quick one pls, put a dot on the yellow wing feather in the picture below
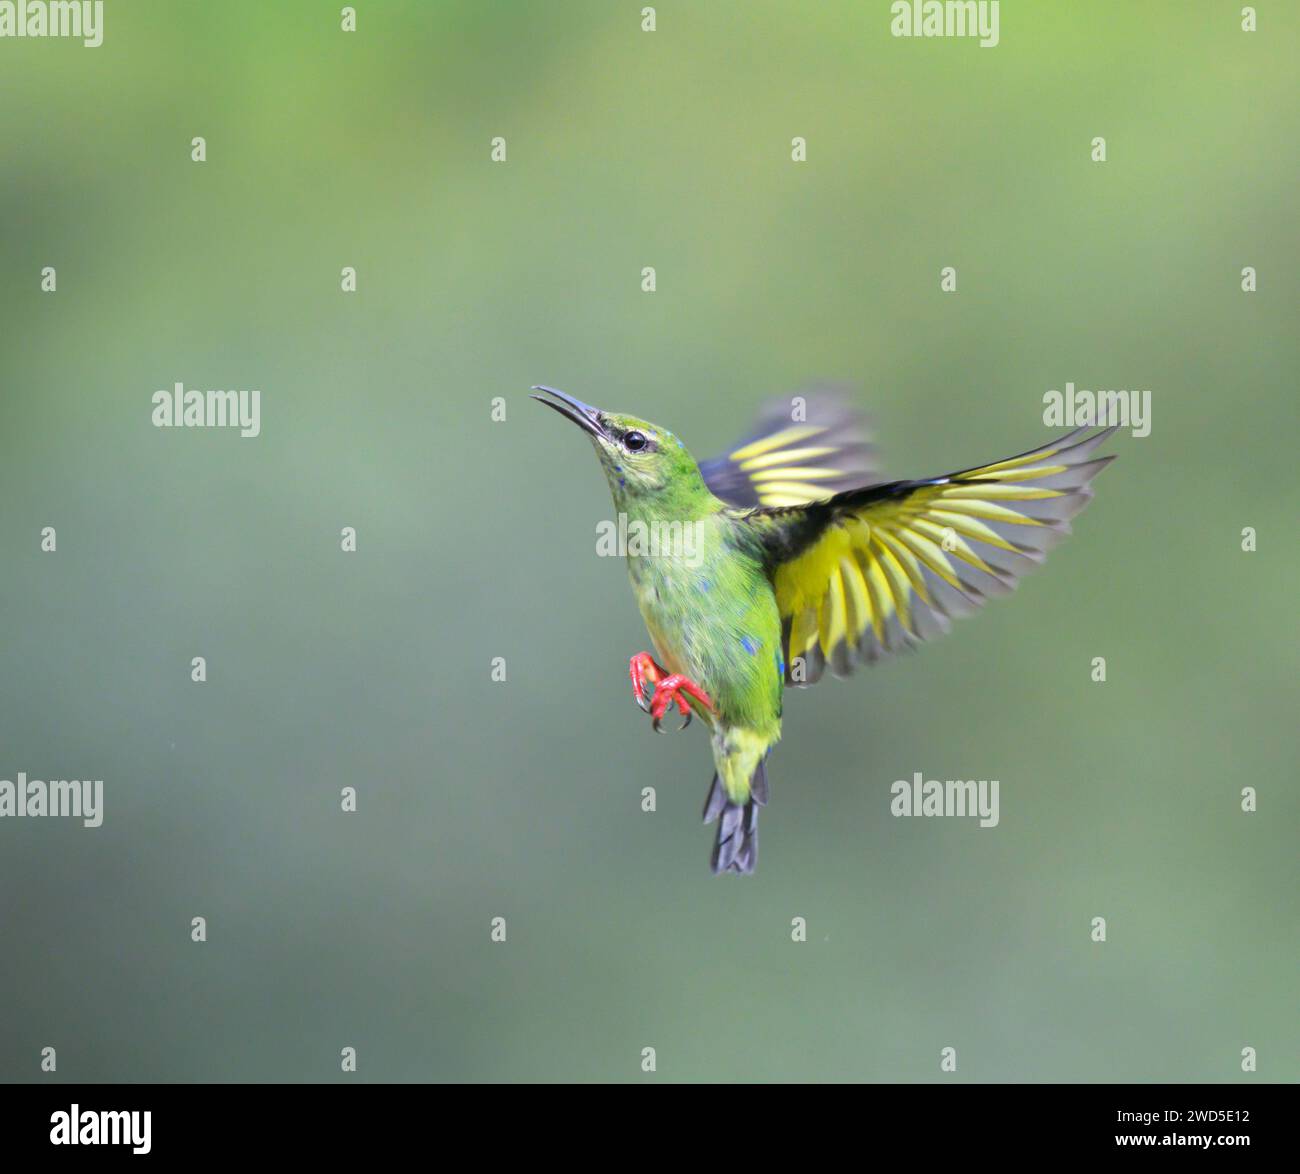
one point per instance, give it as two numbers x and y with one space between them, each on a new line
876 570
805 448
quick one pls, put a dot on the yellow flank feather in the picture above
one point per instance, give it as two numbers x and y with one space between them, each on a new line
737 756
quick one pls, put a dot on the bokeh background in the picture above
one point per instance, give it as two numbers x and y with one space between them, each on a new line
477 539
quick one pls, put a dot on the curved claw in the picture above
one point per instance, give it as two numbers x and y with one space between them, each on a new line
643 670
658 722
669 691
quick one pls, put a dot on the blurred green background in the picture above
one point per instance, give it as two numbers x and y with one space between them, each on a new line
477 539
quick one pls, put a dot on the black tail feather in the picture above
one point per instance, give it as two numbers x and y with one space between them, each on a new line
716 801
736 847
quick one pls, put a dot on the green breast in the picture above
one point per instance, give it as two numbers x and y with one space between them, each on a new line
714 618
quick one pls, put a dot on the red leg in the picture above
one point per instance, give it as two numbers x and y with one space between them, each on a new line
670 689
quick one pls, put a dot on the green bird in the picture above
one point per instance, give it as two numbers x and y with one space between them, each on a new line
787 554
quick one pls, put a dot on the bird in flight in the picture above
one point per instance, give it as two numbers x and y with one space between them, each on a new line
799 558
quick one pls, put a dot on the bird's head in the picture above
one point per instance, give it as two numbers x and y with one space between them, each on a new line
643 462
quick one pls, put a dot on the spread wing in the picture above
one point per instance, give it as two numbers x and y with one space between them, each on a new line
803 448
877 570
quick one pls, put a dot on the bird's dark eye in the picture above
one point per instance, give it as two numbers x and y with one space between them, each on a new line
634 441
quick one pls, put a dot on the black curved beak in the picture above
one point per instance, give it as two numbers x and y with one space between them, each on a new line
583 415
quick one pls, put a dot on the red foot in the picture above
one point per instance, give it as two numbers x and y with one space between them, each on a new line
641 669
667 688
670 689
